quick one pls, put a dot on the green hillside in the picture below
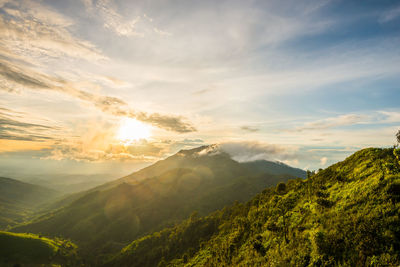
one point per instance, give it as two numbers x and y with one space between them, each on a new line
33 250
18 200
106 219
345 215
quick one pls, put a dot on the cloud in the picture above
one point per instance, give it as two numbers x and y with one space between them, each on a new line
323 161
15 78
197 141
11 129
32 32
161 32
333 122
202 91
79 152
171 123
25 137
112 19
252 150
98 144
333 149
372 117
390 116
249 129
390 15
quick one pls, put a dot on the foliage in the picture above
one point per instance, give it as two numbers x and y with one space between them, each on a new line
345 215
19 200
398 137
33 249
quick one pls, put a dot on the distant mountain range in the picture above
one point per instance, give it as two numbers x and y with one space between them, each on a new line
69 183
203 179
18 200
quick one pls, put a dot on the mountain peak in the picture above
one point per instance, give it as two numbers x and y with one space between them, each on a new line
206 150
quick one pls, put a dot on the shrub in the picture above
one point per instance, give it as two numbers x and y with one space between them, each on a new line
281 188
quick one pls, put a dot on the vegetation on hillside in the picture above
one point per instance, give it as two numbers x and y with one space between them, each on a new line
30 249
19 200
345 215
103 221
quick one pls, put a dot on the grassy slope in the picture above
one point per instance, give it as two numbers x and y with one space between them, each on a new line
346 215
31 249
18 200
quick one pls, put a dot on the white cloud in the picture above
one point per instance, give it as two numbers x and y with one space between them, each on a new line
323 161
15 77
368 118
111 18
390 15
390 116
254 150
333 122
35 33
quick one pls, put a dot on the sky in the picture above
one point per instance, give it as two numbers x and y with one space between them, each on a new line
111 86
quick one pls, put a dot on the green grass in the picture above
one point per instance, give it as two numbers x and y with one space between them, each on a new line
24 248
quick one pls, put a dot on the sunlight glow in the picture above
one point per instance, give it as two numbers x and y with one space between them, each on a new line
132 130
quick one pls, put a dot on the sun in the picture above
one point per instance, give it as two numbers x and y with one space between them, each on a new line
131 130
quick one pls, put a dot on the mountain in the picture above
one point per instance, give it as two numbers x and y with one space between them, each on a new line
110 216
263 166
69 183
18 200
33 250
345 215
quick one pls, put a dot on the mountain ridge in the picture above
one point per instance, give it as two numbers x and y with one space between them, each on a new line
345 215
170 162
122 210
19 199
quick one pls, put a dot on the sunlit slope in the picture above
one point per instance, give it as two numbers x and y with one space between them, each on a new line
107 218
18 200
190 159
346 215
30 249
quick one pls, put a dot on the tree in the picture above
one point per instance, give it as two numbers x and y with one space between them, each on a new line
310 173
398 137
281 188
